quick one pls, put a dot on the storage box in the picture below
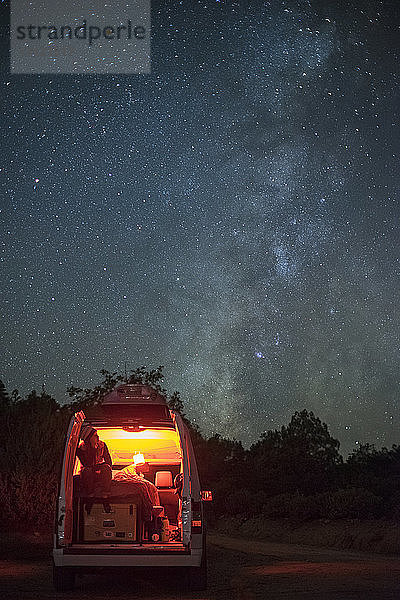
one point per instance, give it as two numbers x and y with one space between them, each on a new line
118 525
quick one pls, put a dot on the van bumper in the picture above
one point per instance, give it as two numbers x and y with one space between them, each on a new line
113 557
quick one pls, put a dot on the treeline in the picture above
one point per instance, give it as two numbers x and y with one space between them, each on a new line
297 474
294 473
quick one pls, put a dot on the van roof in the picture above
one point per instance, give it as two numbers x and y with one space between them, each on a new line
134 393
130 404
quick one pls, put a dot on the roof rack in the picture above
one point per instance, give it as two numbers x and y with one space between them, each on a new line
135 393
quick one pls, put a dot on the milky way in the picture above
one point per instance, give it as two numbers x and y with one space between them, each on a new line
233 216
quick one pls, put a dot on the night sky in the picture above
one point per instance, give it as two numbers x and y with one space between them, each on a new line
233 216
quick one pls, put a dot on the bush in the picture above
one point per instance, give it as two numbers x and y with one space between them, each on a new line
393 506
353 503
27 501
295 507
35 499
244 502
31 446
7 498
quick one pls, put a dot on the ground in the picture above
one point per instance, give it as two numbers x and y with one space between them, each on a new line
375 535
239 569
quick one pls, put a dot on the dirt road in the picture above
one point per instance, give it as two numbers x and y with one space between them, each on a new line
238 570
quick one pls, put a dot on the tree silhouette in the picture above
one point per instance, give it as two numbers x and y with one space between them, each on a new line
306 431
85 397
376 470
32 441
4 397
152 378
175 402
300 457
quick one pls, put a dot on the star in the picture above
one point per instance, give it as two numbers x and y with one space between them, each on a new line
232 215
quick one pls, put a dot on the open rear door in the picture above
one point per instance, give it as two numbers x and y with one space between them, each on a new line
65 511
190 478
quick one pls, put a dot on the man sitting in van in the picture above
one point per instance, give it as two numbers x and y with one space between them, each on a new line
96 461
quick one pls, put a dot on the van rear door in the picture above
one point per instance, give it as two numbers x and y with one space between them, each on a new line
191 485
64 521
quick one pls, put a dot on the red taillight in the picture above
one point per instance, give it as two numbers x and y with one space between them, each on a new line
196 517
206 496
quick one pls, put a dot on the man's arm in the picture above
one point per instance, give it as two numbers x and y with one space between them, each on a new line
82 455
106 455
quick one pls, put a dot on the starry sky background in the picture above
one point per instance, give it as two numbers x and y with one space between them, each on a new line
233 216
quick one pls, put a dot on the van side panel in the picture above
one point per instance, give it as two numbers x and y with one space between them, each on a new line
197 538
194 475
187 482
65 511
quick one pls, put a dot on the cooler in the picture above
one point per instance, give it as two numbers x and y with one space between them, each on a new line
109 523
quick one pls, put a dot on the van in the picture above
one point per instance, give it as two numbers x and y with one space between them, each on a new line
117 529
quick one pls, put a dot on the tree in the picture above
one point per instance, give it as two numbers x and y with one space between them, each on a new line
306 431
375 470
175 402
32 442
152 378
5 420
301 457
4 397
85 397
37 428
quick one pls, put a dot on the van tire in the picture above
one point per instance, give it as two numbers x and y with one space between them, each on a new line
63 579
197 576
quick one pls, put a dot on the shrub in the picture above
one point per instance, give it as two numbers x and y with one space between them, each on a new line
353 503
34 499
6 498
244 502
295 507
393 506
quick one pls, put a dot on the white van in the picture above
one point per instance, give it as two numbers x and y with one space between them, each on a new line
136 424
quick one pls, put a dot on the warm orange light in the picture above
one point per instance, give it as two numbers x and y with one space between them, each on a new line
138 459
144 434
155 445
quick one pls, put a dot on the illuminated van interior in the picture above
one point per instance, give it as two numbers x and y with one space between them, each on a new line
160 461
158 446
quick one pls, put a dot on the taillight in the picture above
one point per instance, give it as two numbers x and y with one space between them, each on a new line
196 517
206 496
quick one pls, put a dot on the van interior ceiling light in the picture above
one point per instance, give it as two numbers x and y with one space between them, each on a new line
138 459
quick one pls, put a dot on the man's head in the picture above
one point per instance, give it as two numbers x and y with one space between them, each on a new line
89 436
94 440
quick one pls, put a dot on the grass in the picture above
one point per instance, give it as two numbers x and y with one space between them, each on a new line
24 545
376 536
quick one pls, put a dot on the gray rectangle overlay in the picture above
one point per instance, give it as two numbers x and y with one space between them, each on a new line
50 36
